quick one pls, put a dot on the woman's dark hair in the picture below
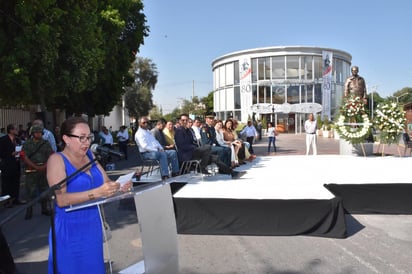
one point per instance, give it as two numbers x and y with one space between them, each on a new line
226 122
10 127
68 125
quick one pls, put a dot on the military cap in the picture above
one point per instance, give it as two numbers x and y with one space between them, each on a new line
36 128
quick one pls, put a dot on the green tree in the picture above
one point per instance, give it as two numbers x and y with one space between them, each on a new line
123 28
208 102
139 97
173 116
155 113
402 96
68 54
195 107
29 43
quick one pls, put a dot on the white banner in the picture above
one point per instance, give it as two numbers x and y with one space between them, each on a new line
245 81
327 58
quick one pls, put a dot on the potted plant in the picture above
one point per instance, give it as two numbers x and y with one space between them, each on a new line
326 127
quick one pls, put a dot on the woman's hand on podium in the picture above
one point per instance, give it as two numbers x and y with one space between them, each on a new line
127 187
109 188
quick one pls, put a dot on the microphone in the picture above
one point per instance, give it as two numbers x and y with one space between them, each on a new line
101 150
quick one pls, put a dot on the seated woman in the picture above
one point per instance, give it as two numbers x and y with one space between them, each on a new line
169 133
234 146
230 135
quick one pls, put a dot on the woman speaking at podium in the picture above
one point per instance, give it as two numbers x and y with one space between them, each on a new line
78 233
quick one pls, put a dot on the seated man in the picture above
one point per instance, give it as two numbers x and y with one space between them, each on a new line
170 150
150 149
208 135
188 149
158 133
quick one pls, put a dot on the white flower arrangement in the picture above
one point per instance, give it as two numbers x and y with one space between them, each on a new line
353 123
390 120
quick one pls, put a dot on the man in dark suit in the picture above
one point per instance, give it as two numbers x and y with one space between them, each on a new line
188 149
10 165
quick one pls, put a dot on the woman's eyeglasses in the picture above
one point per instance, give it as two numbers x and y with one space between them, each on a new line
82 138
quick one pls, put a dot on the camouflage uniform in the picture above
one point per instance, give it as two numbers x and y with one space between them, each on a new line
38 151
36 181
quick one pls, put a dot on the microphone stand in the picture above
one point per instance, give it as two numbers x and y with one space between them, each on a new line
46 194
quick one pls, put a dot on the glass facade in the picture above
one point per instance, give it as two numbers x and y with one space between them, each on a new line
268 81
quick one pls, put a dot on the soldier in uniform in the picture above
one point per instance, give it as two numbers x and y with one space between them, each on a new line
35 153
355 84
208 137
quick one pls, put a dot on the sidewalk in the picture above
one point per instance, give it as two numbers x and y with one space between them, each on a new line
295 144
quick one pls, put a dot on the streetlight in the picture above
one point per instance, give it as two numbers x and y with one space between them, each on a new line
273 113
397 97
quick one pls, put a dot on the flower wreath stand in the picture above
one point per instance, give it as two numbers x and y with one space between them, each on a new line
390 120
352 136
353 127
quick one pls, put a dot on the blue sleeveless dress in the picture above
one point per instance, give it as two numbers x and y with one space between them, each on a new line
79 239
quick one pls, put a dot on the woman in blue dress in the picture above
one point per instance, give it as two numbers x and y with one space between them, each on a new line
79 239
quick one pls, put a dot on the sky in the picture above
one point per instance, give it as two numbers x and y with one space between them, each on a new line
187 35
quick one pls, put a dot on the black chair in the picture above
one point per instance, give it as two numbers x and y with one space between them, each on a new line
407 142
188 166
145 166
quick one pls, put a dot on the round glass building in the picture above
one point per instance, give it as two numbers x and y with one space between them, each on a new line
282 84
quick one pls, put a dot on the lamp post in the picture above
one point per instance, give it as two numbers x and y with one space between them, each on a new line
273 113
397 97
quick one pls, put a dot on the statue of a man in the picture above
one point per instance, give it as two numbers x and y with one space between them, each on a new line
355 84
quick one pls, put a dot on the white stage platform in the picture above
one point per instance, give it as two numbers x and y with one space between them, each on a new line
283 189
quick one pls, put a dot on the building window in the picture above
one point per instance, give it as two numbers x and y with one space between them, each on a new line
278 68
293 95
254 94
237 98
254 70
278 92
236 73
293 71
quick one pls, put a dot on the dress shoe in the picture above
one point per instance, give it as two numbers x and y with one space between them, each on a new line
205 172
237 174
165 178
175 174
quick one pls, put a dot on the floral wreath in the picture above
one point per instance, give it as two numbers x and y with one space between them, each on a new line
390 120
353 123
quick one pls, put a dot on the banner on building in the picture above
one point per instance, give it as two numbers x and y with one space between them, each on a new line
245 81
327 58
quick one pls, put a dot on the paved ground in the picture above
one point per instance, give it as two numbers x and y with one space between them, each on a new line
376 243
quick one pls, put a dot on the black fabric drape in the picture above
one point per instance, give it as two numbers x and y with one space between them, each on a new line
215 216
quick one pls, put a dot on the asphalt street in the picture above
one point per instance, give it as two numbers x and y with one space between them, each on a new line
375 243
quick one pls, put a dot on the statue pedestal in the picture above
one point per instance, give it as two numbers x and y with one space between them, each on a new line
346 148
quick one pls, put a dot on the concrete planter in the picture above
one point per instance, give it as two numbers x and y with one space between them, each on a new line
346 148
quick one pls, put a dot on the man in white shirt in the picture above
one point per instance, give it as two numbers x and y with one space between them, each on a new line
106 137
310 129
251 133
196 128
123 139
151 149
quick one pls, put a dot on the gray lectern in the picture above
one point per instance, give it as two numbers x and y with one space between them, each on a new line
157 222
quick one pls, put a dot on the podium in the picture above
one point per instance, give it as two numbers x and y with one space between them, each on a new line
155 211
